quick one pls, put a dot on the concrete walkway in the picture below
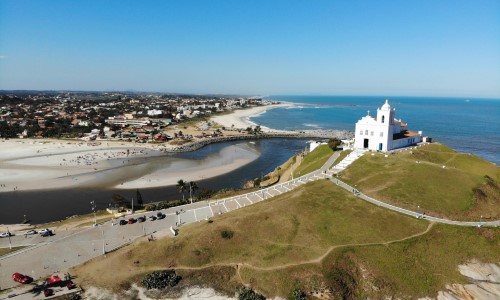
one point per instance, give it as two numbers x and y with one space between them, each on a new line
69 248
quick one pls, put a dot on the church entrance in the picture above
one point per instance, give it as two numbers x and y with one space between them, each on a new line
365 144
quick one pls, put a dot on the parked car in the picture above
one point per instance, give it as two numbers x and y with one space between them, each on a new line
44 231
160 215
131 221
152 218
30 232
48 292
5 234
21 278
141 219
47 233
123 222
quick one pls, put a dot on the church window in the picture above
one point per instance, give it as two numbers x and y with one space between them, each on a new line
366 132
381 134
383 119
361 132
371 133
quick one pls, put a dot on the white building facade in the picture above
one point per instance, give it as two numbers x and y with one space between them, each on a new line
384 132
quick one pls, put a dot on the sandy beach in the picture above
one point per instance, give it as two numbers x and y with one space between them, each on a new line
241 118
34 164
51 164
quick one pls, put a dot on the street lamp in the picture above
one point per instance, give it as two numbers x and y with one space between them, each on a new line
92 203
8 234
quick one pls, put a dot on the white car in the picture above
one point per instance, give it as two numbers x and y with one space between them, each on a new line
43 231
5 234
30 232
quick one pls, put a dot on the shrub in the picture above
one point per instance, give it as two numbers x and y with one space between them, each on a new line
248 294
227 234
160 279
297 294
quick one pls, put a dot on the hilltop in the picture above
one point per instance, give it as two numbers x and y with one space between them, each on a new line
431 178
320 237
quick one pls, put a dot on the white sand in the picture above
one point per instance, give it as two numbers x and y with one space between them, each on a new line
42 164
241 118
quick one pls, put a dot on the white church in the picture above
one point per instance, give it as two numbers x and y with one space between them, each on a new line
384 132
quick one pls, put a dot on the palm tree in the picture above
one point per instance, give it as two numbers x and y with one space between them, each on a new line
192 188
181 187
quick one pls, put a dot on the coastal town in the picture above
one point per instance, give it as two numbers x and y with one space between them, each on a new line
140 117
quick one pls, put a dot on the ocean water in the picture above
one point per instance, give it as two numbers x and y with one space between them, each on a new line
468 125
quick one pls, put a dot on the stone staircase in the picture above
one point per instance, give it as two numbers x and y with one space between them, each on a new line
355 154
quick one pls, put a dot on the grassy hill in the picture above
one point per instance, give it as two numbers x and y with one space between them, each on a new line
441 181
314 160
316 237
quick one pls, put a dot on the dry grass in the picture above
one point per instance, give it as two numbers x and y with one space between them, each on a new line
294 228
4 251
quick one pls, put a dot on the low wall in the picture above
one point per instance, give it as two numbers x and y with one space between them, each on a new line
312 134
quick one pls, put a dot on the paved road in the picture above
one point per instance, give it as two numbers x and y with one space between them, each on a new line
66 249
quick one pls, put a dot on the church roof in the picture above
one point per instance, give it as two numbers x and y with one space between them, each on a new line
386 105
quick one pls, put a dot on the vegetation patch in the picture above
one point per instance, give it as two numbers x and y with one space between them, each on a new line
160 280
248 294
227 234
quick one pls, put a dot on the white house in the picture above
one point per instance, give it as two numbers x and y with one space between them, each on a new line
384 132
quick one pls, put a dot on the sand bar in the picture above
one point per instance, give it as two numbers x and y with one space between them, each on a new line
52 164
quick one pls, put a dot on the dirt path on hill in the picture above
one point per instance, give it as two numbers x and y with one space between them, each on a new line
239 265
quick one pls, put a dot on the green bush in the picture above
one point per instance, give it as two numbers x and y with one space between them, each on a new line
297 294
227 234
248 294
160 280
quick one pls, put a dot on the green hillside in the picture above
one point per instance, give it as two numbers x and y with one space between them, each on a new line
316 237
441 181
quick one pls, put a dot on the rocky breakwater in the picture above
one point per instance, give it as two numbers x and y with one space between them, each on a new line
305 134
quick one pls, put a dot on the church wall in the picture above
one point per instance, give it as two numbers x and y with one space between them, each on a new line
405 142
373 136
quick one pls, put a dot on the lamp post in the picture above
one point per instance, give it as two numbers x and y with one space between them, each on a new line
103 247
191 192
92 203
8 234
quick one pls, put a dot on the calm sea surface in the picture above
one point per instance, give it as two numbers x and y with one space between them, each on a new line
51 205
467 125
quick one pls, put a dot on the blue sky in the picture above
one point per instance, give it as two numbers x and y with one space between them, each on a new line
433 48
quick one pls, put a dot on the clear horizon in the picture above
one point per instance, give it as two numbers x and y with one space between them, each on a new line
423 49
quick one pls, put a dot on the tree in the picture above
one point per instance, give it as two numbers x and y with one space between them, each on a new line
192 188
257 130
334 143
119 201
138 196
181 187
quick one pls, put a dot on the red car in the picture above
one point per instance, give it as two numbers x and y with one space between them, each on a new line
21 278
131 221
